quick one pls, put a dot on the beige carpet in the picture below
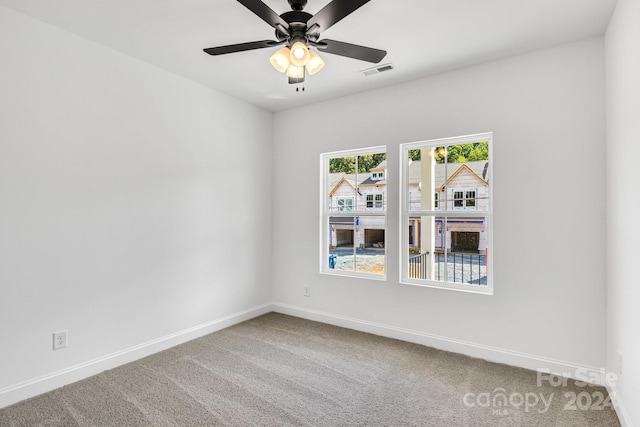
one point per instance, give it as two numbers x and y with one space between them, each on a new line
277 370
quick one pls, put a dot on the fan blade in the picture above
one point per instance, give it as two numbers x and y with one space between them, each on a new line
334 12
241 47
351 50
265 13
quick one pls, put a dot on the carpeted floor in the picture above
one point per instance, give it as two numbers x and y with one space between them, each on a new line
277 370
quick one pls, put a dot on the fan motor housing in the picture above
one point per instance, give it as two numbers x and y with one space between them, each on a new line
297 21
297 4
296 16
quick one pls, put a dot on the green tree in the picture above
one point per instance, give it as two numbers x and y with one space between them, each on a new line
479 152
366 162
343 164
463 153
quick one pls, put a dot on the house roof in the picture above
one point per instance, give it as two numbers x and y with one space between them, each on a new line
445 171
442 174
460 170
336 179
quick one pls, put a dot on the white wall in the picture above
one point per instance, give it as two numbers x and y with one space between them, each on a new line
546 110
116 218
623 205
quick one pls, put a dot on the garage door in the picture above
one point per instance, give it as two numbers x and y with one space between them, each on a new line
465 241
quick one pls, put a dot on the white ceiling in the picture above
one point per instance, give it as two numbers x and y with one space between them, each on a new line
421 37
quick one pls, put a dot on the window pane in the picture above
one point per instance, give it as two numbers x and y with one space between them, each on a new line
425 243
470 199
466 250
458 199
370 252
341 243
341 183
370 183
379 201
357 244
421 184
465 177
447 249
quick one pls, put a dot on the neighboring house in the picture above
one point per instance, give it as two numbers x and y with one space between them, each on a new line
466 186
368 193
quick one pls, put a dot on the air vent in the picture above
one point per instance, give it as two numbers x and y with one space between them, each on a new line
377 69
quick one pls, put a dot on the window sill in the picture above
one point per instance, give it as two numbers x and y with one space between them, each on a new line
353 274
474 289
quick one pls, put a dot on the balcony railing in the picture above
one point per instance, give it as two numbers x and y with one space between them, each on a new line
460 267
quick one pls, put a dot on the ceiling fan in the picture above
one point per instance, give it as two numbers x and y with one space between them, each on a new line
298 31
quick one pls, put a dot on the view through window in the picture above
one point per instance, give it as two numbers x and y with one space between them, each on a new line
354 212
447 212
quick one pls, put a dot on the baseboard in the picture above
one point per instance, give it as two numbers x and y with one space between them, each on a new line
15 393
621 409
494 354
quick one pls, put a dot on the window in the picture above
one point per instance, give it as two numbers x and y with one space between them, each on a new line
344 203
377 176
378 201
353 216
446 206
464 199
470 199
374 201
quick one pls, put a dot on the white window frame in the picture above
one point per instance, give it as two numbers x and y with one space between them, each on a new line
326 212
405 213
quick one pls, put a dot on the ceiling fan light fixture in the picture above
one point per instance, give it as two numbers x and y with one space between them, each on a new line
299 54
315 63
300 31
295 72
280 60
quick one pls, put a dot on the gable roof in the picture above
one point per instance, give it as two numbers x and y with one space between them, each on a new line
444 170
336 180
462 169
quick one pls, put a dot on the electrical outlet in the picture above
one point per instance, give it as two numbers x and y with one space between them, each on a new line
307 291
59 339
